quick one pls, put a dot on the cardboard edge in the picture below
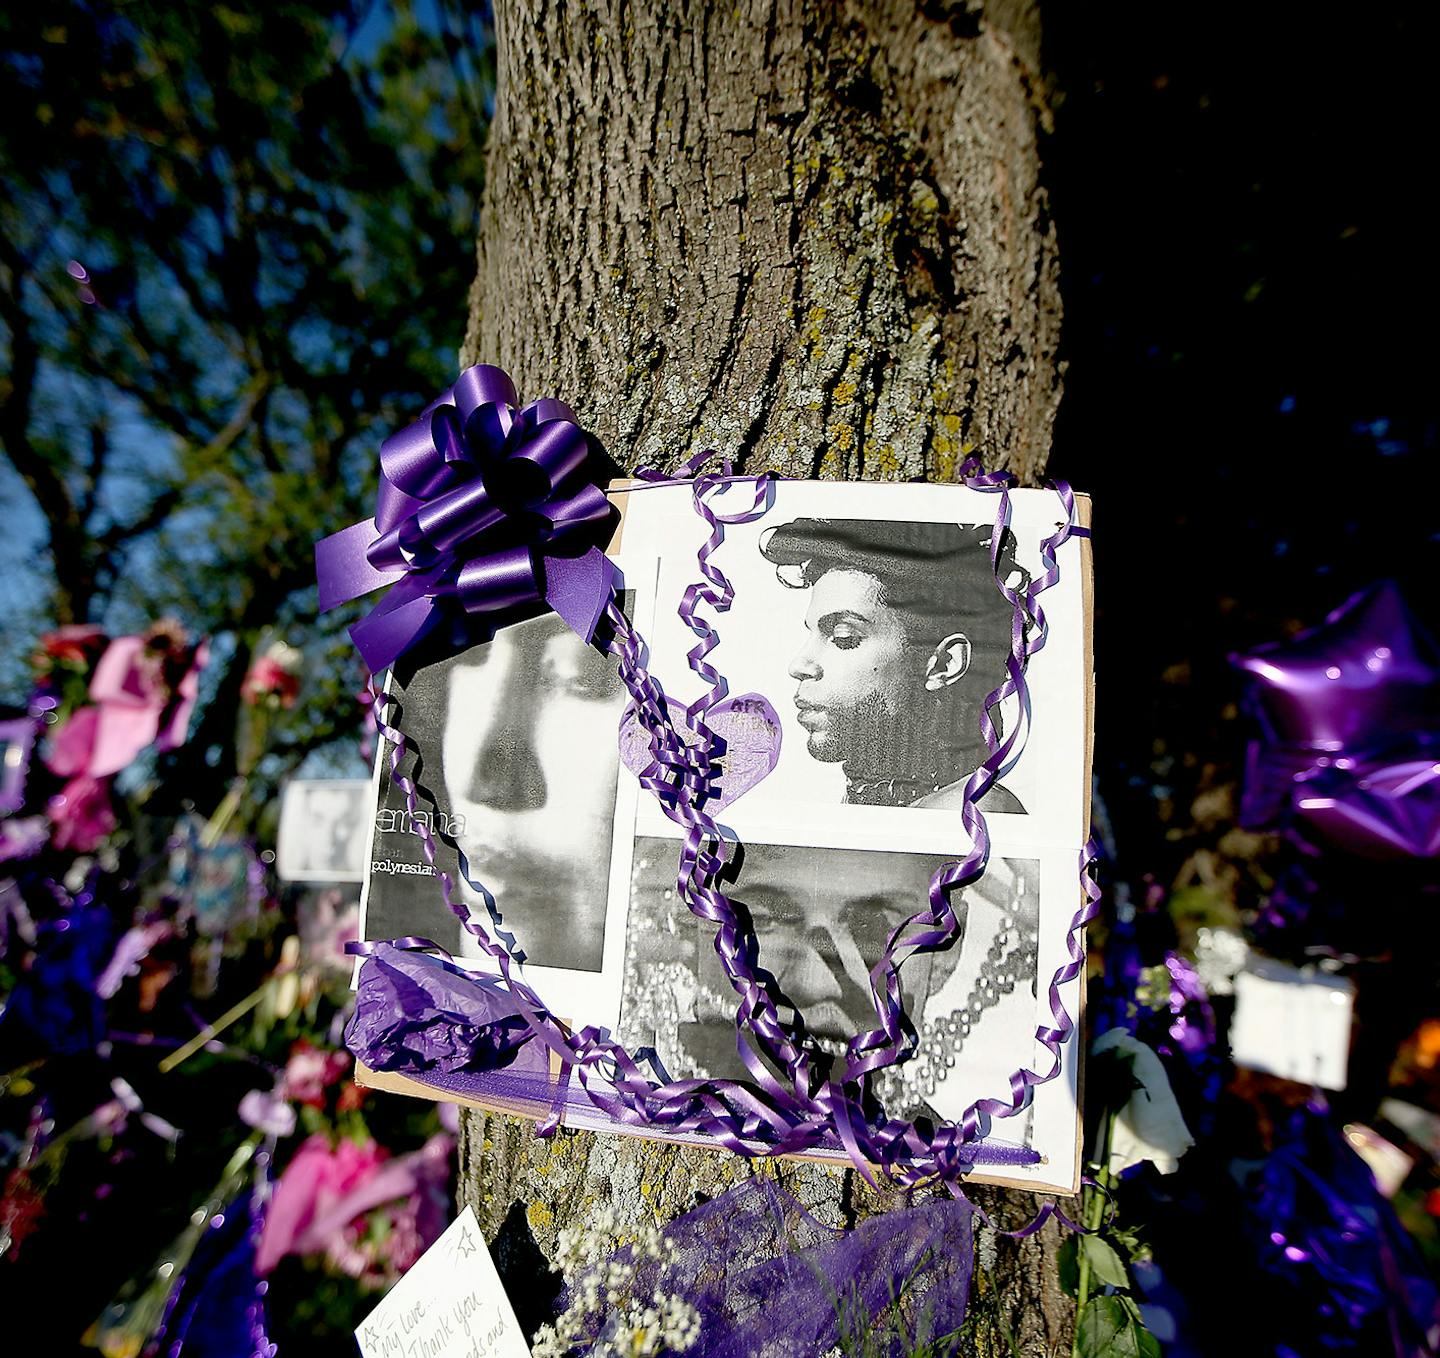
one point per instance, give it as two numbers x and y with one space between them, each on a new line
615 492
390 1082
1084 514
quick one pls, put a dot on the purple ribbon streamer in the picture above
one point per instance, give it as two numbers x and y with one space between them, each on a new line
799 1113
482 508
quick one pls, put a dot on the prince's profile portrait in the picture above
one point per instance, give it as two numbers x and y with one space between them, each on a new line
905 638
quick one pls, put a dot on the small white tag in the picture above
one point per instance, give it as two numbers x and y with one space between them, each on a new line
449 1305
1292 1023
324 830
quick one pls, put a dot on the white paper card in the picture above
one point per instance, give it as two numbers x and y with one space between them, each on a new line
449 1305
324 830
550 843
1292 1023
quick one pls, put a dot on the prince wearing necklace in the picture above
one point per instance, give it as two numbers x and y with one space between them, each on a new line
906 635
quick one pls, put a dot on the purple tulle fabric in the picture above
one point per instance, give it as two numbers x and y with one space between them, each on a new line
770 1281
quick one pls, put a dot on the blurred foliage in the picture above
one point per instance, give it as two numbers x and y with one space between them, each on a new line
235 243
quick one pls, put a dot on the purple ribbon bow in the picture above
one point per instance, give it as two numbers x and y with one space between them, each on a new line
481 504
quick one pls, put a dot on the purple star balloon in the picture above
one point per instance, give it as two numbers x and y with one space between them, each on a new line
1380 808
1368 673
1349 714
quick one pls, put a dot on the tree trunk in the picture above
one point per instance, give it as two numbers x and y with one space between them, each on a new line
812 237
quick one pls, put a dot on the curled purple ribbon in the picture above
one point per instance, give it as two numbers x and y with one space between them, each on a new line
484 506
786 1109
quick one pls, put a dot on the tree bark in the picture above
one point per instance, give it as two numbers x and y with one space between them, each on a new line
813 237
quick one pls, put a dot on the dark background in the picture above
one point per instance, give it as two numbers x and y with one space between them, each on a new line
1250 291
1249 282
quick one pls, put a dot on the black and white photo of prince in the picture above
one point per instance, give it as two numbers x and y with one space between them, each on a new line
905 635
518 765
821 918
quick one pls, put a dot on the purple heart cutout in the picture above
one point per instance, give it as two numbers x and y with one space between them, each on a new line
746 723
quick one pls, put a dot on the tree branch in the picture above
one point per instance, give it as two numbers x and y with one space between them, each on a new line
95 468
212 454
65 528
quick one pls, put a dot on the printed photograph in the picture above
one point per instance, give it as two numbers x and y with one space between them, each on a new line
324 830
516 758
879 644
905 634
822 917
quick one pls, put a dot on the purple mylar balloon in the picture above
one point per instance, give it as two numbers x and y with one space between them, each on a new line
1380 808
1368 673
1350 719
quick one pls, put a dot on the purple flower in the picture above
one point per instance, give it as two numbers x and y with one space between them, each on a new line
54 1008
133 948
267 1111
17 739
22 838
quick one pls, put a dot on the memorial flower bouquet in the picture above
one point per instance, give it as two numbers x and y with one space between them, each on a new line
162 1021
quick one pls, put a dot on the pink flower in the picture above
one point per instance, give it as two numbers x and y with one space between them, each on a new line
73 744
322 1193
408 1226
138 706
81 814
142 693
310 1072
315 1183
274 678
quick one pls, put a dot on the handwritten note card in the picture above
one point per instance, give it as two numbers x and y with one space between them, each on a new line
1292 1023
450 1305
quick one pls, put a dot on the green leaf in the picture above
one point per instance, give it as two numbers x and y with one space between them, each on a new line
1110 1327
1105 1265
1069 1264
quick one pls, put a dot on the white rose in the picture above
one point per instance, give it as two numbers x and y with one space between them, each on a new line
1149 1127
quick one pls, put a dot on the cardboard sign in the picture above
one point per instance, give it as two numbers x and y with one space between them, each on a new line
869 625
